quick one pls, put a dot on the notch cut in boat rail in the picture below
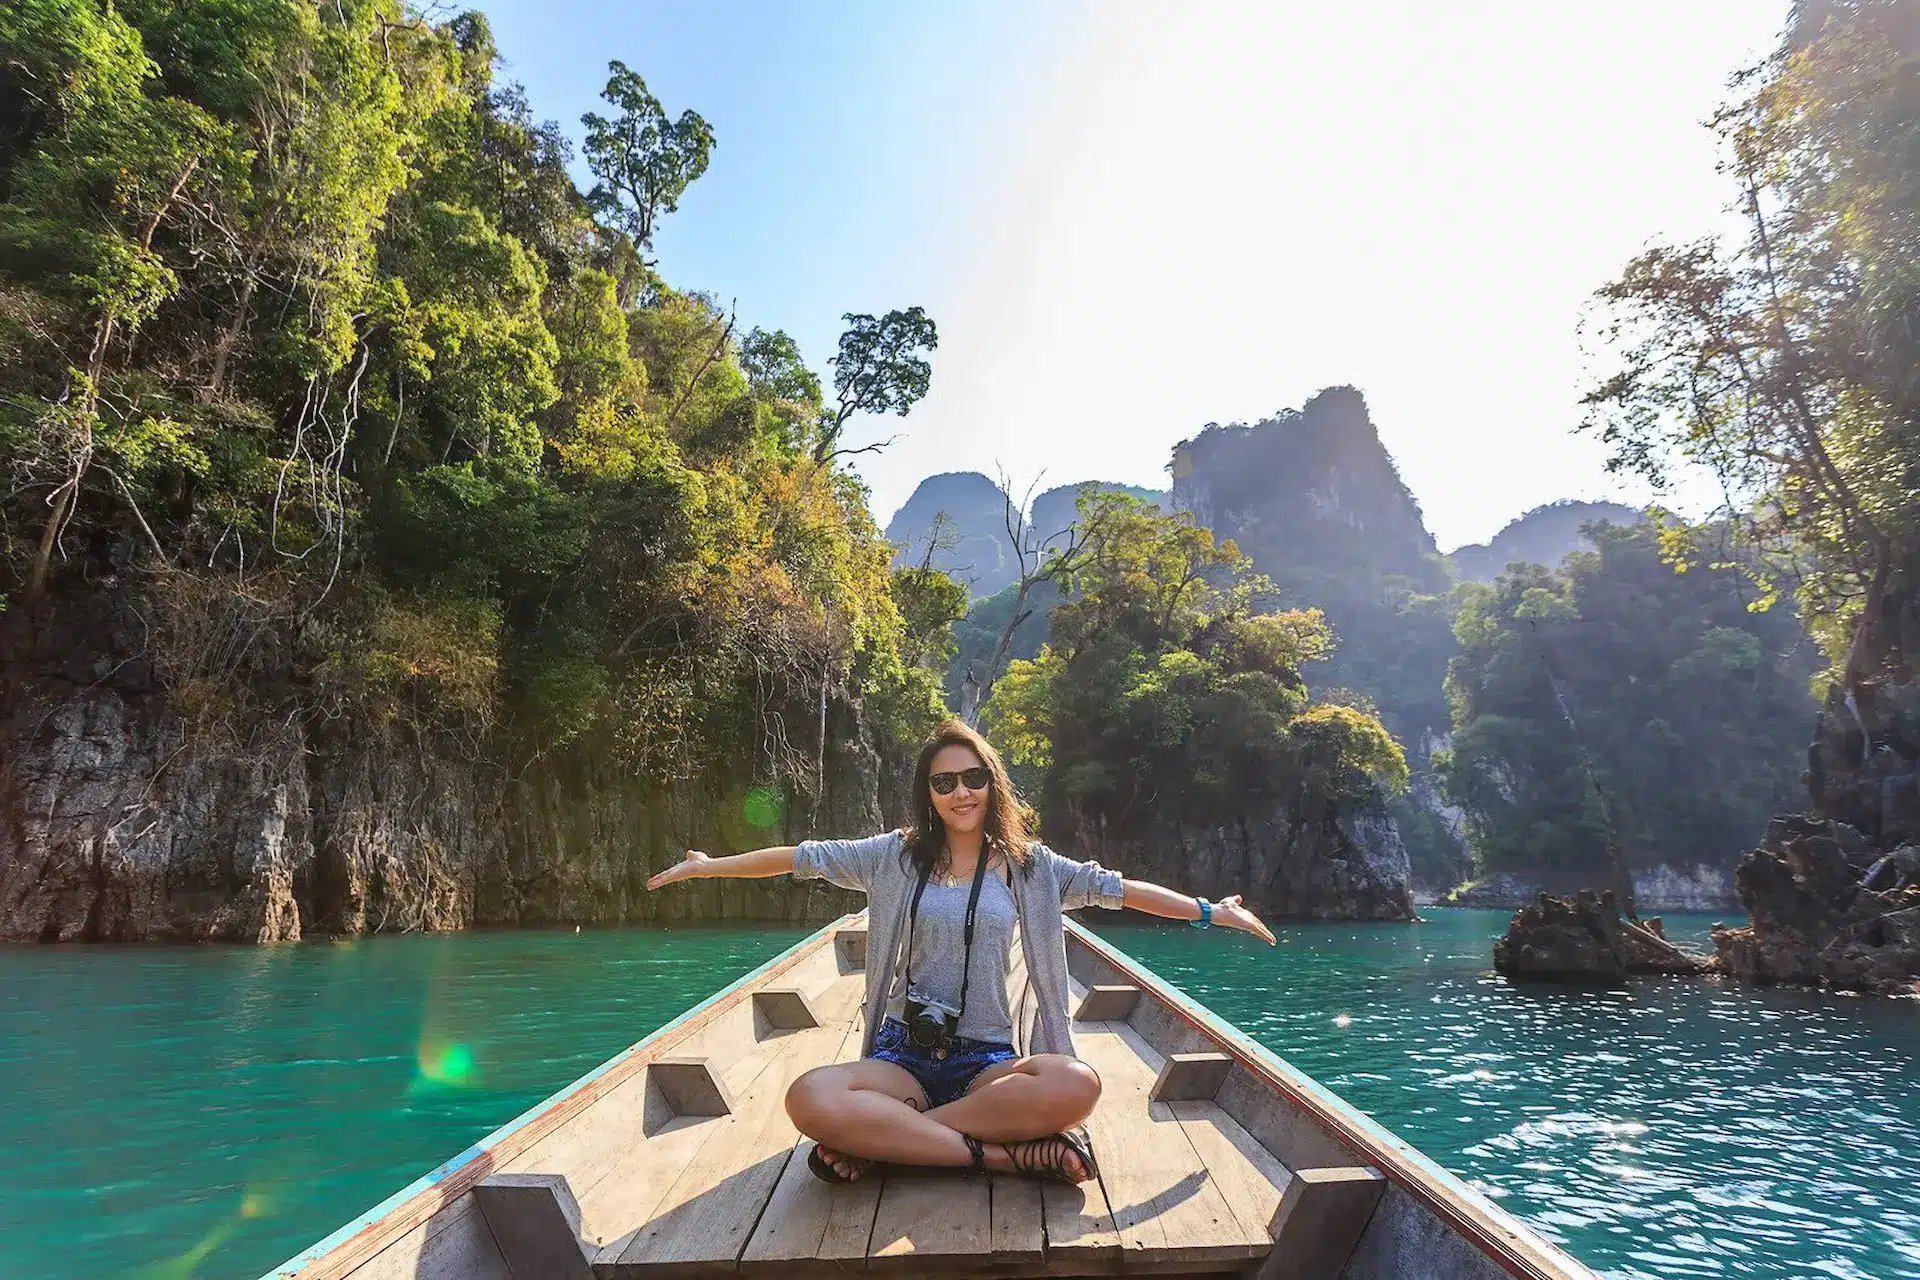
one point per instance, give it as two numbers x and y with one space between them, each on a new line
1112 1003
786 1009
690 1086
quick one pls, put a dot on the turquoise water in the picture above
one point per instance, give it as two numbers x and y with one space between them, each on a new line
208 1112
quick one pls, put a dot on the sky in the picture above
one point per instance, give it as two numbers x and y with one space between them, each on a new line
1131 219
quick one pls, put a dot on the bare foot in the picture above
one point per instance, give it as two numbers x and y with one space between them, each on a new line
852 1168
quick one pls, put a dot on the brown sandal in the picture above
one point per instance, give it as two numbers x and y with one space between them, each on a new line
1047 1157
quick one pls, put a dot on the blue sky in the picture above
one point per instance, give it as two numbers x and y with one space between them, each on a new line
1131 219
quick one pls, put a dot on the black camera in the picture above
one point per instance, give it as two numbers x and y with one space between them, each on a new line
930 1024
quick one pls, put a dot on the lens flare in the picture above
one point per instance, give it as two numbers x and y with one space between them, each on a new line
447 1063
763 807
256 1203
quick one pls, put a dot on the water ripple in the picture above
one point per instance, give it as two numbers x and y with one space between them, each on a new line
1677 1129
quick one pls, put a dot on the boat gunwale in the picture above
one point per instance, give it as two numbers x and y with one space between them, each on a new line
360 1240
1503 1238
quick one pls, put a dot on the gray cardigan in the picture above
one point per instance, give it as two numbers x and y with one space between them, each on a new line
1049 885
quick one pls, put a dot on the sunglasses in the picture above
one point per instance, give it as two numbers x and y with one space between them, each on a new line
976 779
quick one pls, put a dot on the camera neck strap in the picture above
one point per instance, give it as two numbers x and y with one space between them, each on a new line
973 905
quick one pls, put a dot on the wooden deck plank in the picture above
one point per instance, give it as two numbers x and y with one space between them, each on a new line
1251 1179
703 1221
1166 1206
1081 1237
809 1225
938 1220
1019 1236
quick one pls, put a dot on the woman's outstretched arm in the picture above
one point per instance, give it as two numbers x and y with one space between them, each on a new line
777 861
1157 900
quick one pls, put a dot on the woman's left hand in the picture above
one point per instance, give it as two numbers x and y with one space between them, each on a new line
1230 913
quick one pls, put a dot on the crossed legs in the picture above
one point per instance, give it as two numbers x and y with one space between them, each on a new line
877 1110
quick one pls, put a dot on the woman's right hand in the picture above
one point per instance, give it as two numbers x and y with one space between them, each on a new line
692 867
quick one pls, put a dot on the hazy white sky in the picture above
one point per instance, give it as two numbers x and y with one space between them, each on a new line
1221 208
1131 219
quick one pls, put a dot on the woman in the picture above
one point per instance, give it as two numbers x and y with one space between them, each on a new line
940 1082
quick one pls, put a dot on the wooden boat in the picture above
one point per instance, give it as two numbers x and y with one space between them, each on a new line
676 1157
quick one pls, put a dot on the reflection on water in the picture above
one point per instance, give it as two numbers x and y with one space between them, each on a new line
208 1112
199 1112
1676 1129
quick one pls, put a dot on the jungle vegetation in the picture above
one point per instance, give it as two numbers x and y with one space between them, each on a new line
1616 704
306 328
1169 694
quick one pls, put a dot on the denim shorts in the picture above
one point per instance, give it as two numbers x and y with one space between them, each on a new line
943 1079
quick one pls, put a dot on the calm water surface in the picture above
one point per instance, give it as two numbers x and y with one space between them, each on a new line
208 1112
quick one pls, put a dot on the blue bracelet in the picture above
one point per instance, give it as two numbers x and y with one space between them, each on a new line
1206 914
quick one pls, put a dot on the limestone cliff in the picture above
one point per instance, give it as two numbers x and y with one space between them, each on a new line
121 820
1318 866
1313 496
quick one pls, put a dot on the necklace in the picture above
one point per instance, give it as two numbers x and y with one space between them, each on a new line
951 880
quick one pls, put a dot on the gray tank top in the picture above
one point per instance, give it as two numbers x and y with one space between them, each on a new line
940 939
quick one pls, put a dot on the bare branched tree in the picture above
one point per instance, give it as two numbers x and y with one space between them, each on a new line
1037 559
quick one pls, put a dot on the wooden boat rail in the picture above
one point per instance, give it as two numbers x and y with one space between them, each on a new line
675 1157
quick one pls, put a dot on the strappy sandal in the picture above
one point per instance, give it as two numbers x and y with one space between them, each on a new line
827 1173
978 1150
1046 1157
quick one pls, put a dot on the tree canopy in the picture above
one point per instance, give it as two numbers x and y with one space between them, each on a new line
1616 701
304 323
1166 698
1784 365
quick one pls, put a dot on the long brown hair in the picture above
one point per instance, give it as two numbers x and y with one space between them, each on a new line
1005 824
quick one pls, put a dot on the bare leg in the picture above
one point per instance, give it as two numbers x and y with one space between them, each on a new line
876 1110
1027 1098
872 1109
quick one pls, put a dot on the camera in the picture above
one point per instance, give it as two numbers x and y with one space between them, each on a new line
930 1023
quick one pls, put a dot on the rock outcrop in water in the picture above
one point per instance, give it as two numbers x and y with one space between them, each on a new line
1833 896
1320 867
1815 918
1582 938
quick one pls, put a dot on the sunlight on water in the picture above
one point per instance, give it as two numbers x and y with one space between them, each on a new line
199 1113
1677 1129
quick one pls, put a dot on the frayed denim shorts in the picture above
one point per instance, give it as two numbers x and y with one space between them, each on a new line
945 1079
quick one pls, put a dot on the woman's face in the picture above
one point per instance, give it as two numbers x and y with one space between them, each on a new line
964 808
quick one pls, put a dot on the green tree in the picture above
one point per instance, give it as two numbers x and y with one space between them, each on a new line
1167 699
1784 365
881 368
643 161
1614 708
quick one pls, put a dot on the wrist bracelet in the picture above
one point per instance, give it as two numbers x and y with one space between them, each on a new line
1206 914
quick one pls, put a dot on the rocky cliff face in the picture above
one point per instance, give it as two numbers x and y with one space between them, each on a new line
1353 867
1315 499
1833 896
121 821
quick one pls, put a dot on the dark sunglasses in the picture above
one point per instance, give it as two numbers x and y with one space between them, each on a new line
976 779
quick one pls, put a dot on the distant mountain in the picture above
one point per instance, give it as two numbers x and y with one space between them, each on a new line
1544 535
979 554
1316 501
974 549
1054 510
